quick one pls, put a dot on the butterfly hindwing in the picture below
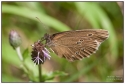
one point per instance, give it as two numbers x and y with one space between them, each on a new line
75 45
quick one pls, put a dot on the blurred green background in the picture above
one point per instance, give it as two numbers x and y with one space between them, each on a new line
106 65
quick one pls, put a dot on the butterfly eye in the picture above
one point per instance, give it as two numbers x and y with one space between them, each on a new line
77 53
90 34
78 42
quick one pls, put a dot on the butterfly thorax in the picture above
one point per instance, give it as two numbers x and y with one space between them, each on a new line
47 37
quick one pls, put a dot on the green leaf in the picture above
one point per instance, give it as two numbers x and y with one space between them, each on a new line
22 11
114 12
10 78
82 71
31 5
51 75
25 53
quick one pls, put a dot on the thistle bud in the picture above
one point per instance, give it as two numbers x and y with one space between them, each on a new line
14 39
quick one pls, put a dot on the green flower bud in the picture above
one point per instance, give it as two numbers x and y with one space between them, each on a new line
14 39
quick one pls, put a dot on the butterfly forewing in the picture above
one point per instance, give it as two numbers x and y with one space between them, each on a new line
75 45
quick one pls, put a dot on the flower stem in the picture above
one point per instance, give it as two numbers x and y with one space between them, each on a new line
40 73
21 58
19 53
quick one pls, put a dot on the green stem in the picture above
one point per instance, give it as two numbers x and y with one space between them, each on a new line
40 73
21 58
19 53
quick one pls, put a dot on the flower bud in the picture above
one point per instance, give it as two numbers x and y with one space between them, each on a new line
14 39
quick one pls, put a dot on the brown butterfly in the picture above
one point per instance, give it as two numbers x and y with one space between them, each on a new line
75 45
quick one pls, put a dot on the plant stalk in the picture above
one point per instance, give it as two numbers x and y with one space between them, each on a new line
19 53
40 73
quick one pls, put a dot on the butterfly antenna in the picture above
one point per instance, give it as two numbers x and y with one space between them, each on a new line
44 26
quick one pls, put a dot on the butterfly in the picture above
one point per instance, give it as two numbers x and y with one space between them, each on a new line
75 45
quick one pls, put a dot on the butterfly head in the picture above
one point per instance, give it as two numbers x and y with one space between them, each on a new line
46 37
